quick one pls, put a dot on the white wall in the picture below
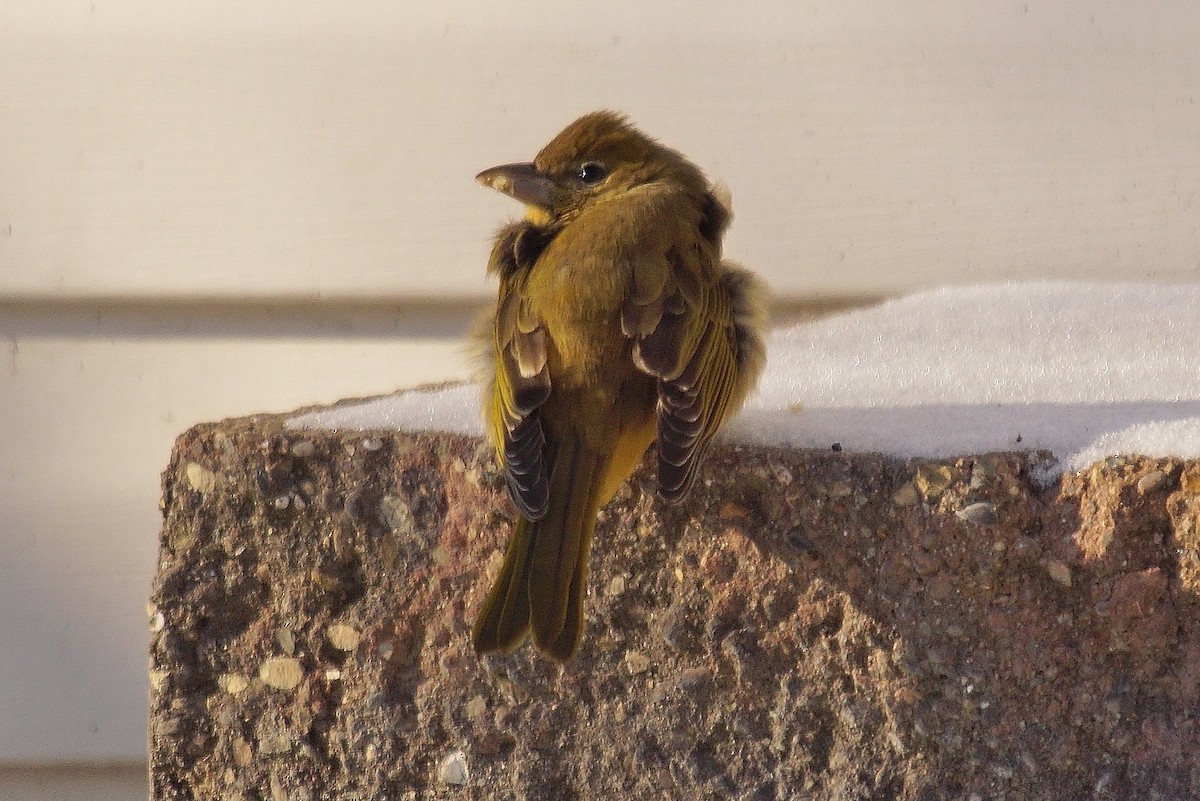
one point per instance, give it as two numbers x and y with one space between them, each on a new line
310 149
210 209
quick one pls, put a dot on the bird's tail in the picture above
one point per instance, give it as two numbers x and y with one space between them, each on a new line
542 581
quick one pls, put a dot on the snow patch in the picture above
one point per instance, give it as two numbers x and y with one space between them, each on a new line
1084 371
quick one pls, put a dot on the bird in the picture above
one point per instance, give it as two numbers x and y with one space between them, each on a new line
617 326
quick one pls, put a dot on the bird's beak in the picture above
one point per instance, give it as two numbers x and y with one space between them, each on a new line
521 181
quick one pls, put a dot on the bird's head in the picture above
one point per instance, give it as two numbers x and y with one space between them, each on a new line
598 158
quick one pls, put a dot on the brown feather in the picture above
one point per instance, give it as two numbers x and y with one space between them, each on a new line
616 324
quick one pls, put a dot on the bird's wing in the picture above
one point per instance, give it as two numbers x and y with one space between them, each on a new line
685 336
520 385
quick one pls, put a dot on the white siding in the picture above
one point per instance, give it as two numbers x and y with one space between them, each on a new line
218 208
231 149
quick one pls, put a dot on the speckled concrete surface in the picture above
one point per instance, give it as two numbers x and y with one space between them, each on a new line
809 625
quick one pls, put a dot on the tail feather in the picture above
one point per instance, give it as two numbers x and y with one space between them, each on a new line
503 620
542 582
567 533
564 646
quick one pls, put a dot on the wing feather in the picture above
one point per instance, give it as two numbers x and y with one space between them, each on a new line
690 337
519 388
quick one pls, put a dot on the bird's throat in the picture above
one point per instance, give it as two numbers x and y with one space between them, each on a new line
536 215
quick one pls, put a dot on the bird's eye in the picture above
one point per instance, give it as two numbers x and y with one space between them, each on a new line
592 173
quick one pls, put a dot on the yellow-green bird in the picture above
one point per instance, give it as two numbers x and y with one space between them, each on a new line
617 325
